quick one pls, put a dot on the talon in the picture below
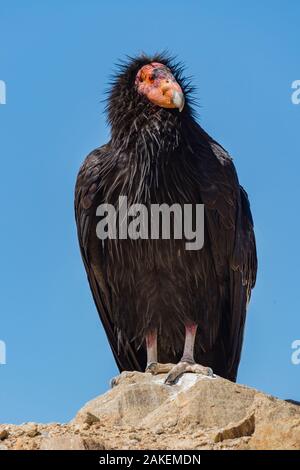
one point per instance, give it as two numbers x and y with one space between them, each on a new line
176 372
198 369
151 368
156 368
183 367
170 381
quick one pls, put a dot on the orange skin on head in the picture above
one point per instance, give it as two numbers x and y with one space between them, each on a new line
157 83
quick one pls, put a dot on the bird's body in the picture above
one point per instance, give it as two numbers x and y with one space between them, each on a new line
157 155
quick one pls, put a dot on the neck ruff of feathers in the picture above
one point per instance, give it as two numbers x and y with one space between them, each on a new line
138 127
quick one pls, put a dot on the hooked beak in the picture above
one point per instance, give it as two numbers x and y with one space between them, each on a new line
167 93
178 100
158 84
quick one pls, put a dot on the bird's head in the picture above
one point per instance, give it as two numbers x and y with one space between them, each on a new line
157 83
149 97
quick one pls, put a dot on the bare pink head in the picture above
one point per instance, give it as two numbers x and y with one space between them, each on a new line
156 82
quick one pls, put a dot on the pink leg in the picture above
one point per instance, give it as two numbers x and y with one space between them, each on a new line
153 366
187 362
190 335
151 344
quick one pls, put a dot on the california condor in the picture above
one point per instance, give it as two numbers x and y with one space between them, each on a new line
156 299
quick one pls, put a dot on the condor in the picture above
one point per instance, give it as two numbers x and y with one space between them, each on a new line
165 308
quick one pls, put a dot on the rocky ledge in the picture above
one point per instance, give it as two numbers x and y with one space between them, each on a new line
141 412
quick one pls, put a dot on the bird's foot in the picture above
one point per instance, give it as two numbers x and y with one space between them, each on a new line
156 368
183 366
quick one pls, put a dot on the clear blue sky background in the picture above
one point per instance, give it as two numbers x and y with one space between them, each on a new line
56 58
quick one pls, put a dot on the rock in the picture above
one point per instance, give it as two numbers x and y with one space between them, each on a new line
18 445
92 444
4 434
138 398
245 427
90 419
221 411
23 443
87 418
141 412
86 426
31 429
144 400
66 442
277 424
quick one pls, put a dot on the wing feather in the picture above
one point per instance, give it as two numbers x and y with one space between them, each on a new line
87 193
231 234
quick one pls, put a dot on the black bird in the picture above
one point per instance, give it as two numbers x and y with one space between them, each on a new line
156 299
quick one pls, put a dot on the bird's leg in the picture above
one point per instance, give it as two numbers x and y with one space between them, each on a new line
151 345
187 362
189 343
153 366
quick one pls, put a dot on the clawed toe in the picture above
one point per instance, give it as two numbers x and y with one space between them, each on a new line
151 368
174 371
156 368
182 367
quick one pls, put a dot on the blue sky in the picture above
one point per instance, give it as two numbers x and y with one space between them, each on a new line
56 58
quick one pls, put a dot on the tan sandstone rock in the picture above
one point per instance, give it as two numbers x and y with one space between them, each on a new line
66 442
141 412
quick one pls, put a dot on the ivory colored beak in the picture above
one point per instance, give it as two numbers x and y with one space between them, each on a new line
178 100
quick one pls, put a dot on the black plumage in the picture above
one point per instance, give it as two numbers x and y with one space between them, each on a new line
158 155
